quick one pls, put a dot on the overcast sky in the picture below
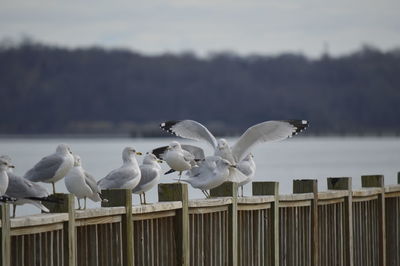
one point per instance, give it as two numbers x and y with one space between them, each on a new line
203 26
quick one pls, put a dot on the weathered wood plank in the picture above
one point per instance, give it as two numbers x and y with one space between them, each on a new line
229 189
345 183
179 192
36 229
66 204
271 189
5 249
378 181
123 197
310 186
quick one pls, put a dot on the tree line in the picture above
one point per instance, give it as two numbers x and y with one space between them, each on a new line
52 90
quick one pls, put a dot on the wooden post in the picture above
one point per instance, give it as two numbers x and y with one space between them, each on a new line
123 198
5 252
310 186
179 192
229 189
345 183
66 204
271 189
378 181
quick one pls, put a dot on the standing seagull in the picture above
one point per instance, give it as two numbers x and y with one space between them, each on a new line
81 183
177 158
52 168
248 167
127 176
151 172
24 191
4 180
210 173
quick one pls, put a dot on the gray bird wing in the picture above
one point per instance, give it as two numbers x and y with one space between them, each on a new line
197 152
148 174
190 129
266 131
91 182
19 187
45 169
116 179
188 156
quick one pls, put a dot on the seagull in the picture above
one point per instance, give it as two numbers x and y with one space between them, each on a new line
151 172
248 167
52 168
179 157
127 176
4 179
81 183
268 131
210 173
24 191
264 132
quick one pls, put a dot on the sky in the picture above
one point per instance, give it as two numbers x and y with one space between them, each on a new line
206 26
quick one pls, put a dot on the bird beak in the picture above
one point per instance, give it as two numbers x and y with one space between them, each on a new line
138 153
11 166
159 161
233 166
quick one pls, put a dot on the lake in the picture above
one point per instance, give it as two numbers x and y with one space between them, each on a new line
284 161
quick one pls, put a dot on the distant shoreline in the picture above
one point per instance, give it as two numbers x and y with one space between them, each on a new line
153 136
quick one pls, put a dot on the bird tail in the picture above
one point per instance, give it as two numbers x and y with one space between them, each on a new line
46 199
103 199
169 171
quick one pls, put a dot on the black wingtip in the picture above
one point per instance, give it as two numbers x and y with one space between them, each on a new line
299 125
167 125
159 151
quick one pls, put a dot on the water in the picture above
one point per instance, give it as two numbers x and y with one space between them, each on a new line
284 161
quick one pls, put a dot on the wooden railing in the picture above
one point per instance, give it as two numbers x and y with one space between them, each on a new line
336 227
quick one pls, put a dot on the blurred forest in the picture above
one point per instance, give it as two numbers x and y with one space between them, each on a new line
54 90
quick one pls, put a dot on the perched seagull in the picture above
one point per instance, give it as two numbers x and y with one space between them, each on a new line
263 132
52 168
4 180
179 157
24 191
151 172
81 183
127 176
248 167
210 173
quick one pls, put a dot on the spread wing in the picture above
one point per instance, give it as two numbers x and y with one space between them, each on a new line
197 152
267 131
190 129
45 169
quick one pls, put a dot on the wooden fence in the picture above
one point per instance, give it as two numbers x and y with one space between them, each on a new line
340 226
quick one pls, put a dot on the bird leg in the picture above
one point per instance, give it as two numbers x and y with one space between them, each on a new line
140 197
144 197
79 203
54 187
180 175
85 203
241 188
14 210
